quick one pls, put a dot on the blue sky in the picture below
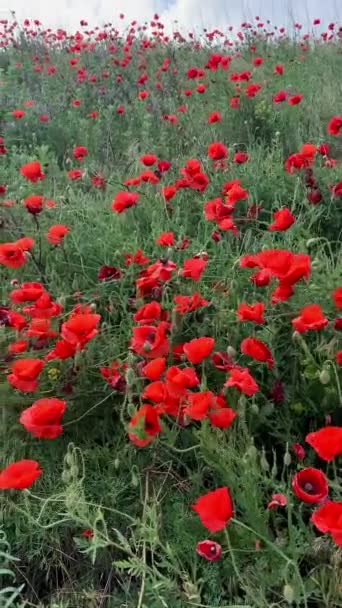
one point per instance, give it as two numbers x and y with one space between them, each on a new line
189 13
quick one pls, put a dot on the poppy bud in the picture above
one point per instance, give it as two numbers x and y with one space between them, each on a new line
263 461
287 458
289 594
255 408
231 352
130 376
324 376
296 337
116 463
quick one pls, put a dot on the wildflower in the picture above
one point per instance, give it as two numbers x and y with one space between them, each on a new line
310 318
334 125
251 312
144 425
283 220
214 509
209 550
80 328
56 233
24 374
32 171
277 500
123 200
43 418
19 475
257 350
328 519
80 152
242 380
198 349
310 485
327 442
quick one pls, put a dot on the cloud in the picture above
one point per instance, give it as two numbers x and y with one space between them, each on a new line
189 13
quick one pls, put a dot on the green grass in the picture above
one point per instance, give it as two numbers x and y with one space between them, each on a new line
138 501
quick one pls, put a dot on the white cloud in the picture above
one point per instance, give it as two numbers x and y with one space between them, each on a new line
189 13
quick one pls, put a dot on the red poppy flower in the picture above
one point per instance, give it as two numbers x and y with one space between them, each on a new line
185 304
234 102
193 268
178 380
327 442
217 151
80 152
283 219
208 549
295 99
310 485
214 117
243 381
337 297
148 160
150 342
154 369
338 357
56 233
240 158
109 273
115 375
199 404
198 349
43 308
166 239
144 425
299 451
310 318
80 328
278 500
12 255
257 350
328 519
88 533
148 313
19 475
251 312
43 418
74 174
279 97
40 328
214 509
17 114
334 125
34 203
32 171
61 350
20 346
24 374
123 200
220 415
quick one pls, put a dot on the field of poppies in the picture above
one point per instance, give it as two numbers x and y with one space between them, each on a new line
171 316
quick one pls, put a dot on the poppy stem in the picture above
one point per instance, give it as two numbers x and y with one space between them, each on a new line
232 556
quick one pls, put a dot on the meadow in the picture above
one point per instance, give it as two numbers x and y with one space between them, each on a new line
171 316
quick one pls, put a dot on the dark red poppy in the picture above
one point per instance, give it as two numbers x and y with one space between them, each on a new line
109 273
209 550
214 509
310 485
20 475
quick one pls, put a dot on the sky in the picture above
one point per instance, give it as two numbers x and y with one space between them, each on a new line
190 14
